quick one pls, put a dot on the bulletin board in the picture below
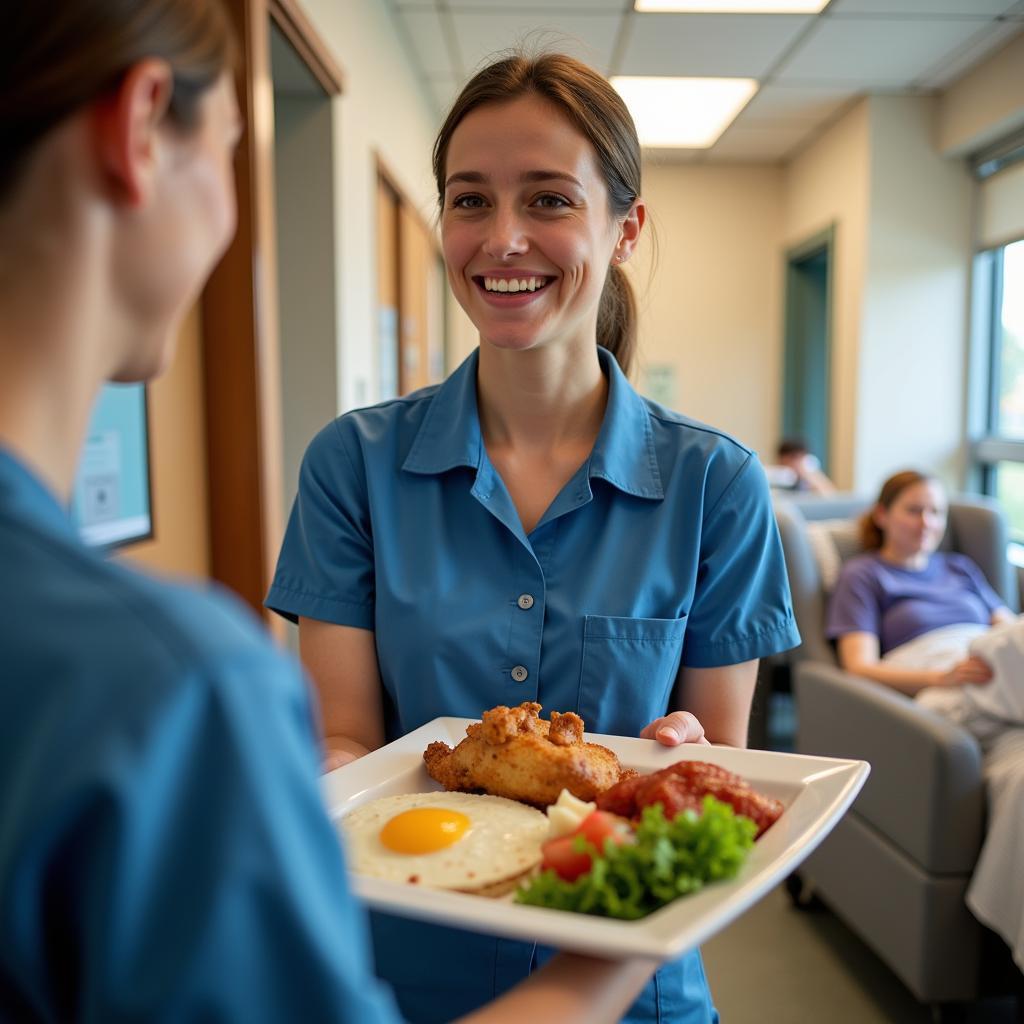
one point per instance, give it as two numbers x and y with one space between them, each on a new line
110 503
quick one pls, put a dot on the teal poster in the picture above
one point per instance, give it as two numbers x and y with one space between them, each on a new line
110 503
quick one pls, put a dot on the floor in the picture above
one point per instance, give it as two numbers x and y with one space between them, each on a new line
780 965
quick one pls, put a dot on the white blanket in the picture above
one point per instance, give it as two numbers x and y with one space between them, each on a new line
985 710
994 713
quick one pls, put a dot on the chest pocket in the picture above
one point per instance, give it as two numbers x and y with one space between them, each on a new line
627 672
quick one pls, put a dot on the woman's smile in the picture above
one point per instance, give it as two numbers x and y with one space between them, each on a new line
527 231
510 292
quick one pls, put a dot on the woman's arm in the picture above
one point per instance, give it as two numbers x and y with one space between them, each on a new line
716 703
859 653
342 662
571 989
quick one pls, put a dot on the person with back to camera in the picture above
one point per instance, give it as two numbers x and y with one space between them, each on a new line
164 851
927 623
532 529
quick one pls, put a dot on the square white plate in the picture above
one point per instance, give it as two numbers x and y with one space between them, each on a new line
816 792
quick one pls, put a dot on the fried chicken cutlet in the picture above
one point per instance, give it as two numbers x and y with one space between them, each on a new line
515 753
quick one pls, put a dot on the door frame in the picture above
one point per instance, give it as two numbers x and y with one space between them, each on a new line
820 241
241 377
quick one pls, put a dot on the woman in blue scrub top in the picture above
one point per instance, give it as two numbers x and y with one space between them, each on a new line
532 529
164 851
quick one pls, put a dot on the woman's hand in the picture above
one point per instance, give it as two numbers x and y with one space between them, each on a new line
969 672
671 730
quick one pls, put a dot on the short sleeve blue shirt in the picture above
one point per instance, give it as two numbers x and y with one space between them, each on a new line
164 851
661 550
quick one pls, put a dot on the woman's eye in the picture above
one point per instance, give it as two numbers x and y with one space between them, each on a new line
468 202
551 201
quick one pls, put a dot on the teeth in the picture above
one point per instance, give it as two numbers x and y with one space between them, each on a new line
504 284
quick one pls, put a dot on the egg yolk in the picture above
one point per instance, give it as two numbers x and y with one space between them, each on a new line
423 830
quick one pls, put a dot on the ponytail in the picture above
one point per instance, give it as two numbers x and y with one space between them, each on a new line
616 318
871 537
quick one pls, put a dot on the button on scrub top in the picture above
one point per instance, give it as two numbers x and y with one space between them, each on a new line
164 852
660 551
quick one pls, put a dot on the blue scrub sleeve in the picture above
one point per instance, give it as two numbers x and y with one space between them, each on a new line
855 605
741 607
326 568
202 879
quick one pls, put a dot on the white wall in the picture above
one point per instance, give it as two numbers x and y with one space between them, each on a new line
910 410
384 110
306 276
826 184
712 308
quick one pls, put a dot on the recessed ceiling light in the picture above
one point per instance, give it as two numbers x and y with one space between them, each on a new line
730 6
683 113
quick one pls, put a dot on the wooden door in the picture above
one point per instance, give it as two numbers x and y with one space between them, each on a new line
388 275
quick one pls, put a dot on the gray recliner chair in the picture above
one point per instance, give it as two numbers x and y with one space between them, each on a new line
896 867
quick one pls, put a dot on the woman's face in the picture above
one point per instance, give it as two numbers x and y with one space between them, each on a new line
526 229
168 246
916 520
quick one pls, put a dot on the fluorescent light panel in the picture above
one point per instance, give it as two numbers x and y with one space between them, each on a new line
683 113
729 6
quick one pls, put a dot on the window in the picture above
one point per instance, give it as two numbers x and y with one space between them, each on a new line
1000 452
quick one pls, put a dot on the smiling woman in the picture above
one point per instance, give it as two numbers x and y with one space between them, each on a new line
532 530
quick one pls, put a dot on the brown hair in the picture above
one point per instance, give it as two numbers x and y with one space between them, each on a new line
58 55
871 536
597 111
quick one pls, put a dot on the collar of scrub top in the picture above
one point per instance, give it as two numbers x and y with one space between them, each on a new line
623 453
24 495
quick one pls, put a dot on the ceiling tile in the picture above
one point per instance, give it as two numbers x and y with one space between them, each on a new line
425 32
884 53
978 8
758 144
720 45
793 103
588 37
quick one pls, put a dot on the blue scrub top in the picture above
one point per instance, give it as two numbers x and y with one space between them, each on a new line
661 551
164 852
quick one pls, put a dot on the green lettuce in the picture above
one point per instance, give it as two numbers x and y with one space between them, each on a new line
669 859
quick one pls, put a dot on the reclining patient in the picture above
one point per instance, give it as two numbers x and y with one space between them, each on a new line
927 623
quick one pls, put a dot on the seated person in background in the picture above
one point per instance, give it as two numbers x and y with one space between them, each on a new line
926 623
796 469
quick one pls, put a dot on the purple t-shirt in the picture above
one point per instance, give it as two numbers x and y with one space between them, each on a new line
898 604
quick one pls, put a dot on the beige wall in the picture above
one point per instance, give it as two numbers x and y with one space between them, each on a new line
985 104
712 307
828 184
912 352
383 111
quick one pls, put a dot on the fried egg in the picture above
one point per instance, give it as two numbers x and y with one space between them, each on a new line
444 840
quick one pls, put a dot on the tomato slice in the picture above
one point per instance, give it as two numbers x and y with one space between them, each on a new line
567 863
598 826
